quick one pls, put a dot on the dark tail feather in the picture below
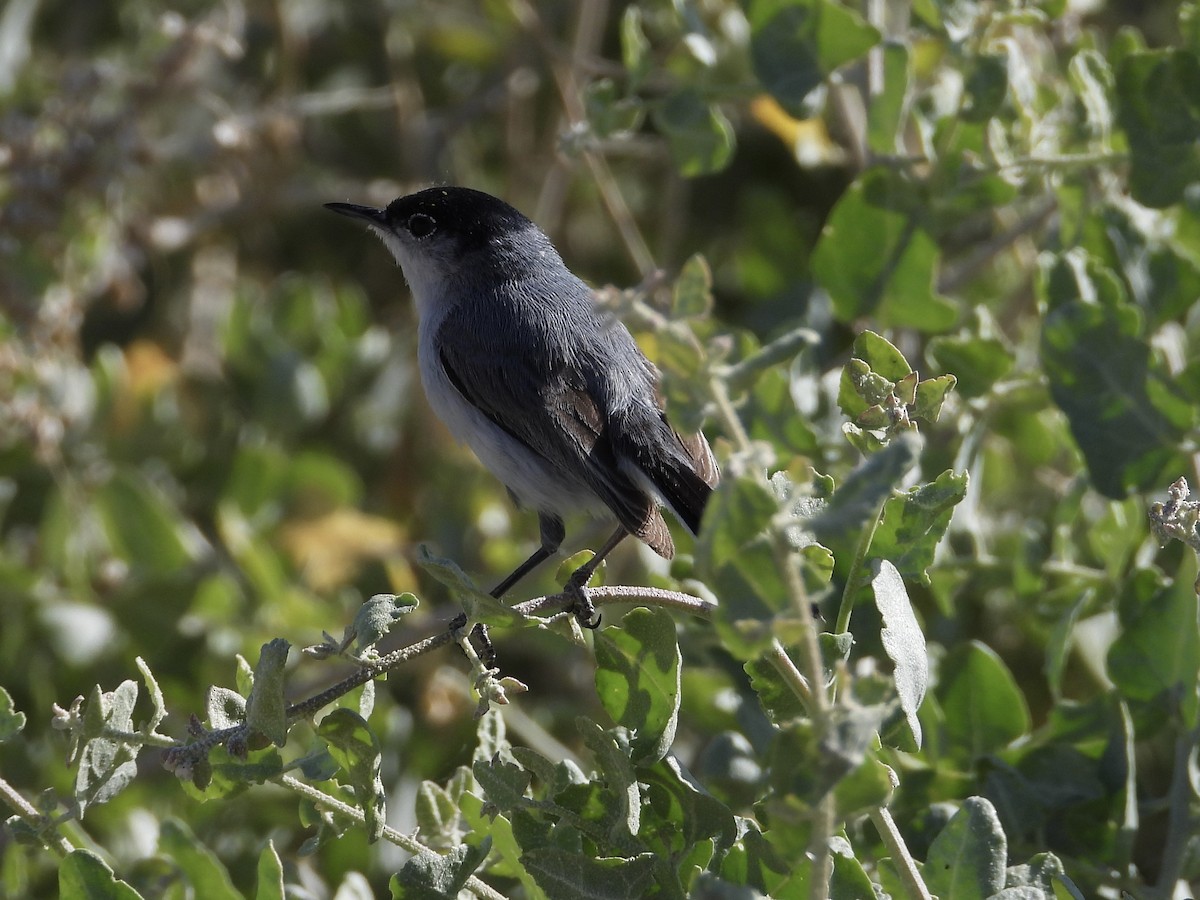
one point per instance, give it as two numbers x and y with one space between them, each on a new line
686 490
682 469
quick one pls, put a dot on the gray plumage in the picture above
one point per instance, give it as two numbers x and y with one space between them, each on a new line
553 395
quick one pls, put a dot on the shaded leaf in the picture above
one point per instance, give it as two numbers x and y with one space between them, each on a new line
1158 107
12 723
84 874
356 749
700 137
479 605
984 709
968 858
796 44
638 678
266 709
1124 414
569 876
914 522
692 292
270 875
503 783
198 865
1157 652
890 277
429 876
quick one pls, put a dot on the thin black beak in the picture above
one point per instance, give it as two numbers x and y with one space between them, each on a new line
370 213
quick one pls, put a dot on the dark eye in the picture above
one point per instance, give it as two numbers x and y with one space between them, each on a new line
421 225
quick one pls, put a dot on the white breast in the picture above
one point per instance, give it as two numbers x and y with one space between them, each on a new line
523 472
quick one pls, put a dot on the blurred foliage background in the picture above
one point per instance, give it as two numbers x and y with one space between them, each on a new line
212 431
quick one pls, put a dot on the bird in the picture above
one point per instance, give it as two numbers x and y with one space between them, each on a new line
551 392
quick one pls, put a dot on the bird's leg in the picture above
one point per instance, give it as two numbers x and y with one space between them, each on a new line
576 586
552 532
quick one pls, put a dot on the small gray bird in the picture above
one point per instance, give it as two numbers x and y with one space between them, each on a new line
551 394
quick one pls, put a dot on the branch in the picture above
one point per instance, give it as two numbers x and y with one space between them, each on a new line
182 758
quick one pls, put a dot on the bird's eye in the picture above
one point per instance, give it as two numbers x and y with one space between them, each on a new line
421 225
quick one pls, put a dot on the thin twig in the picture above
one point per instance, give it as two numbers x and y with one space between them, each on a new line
1180 824
901 858
413 846
31 817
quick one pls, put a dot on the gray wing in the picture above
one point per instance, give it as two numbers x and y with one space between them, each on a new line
541 399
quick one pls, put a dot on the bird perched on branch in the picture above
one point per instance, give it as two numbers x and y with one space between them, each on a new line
552 394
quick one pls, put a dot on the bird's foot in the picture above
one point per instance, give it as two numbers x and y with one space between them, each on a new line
581 604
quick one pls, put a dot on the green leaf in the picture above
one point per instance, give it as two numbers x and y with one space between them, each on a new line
266 709
850 881
106 765
569 876
778 700
914 522
803 769
377 615
1157 652
481 819
870 378
635 47
692 293
153 692
12 723
968 858
754 863
683 808
977 362
1158 107
1124 412
429 876
859 499
930 395
637 679
700 137
796 44
735 553
143 529
503 783
887 112
1093 81
83 874
270 875
738 511
480 606
436 813
984 709
198 865
876 258
230 777
609 112
612 754
771 415
256 479
903 642
986 87
356 749
1046 873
